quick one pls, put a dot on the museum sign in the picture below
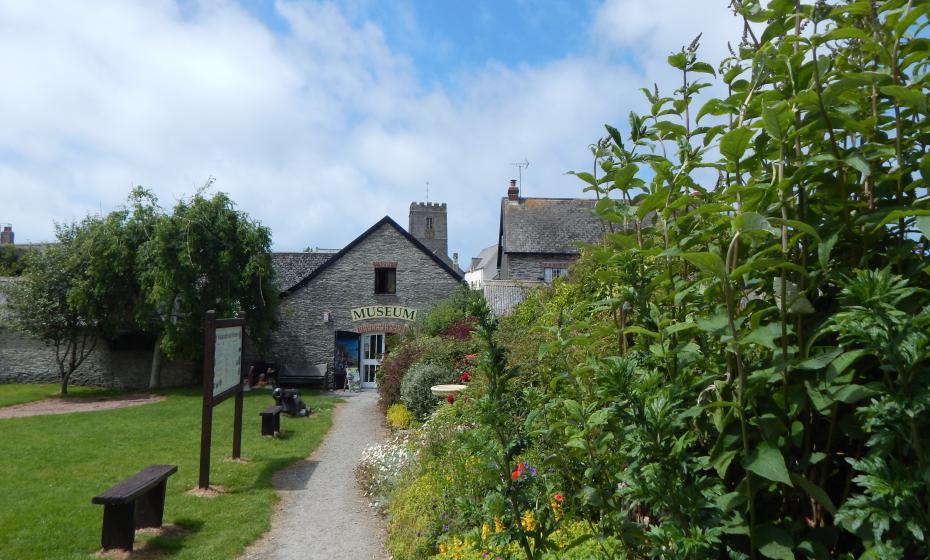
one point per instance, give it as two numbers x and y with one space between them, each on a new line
384 312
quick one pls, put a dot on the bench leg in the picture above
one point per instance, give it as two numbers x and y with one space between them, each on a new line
119 527
150 507
268 424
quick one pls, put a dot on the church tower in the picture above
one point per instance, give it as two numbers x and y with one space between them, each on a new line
428 225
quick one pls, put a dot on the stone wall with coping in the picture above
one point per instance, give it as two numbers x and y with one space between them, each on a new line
304 339
27 360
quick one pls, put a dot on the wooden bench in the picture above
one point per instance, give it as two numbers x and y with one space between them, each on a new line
137 502
271 420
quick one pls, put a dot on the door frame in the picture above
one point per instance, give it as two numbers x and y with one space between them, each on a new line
364 362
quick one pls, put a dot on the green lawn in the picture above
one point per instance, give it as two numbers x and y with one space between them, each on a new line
51 467
18 393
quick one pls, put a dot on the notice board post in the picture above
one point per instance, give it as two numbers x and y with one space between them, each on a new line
222 378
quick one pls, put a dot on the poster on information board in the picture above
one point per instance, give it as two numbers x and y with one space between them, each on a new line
227 361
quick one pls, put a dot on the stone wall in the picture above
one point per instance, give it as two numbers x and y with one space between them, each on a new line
303 338
26 360
530 266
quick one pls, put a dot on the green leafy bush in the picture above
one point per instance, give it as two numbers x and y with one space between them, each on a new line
395 366
399 417
448 312
415 388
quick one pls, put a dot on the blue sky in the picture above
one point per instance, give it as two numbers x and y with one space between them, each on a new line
319 117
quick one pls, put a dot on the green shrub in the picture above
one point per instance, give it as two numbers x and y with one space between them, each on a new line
446 313
399 417
415 518
414 389
395 366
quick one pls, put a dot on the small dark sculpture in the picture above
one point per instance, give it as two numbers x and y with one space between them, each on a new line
290 400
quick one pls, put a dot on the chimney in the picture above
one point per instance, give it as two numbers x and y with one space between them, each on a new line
455 260
6 237
513 193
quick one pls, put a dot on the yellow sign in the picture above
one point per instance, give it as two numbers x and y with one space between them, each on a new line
384 312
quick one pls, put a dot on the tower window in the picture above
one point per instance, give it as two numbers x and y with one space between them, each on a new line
385 280
429 222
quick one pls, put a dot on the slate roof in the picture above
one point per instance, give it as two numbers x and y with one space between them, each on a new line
385 220
503 295
548 225
487 256
291 268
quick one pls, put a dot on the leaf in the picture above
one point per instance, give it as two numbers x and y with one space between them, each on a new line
714 107
710 263
898 214
678 60
852 393
859 163
640 330
750 222
703 67
775 118
820 361
763 335
923 224
803 227
825 248
615 134
599 417
797 303
815 492
733 144
774 542
907 96
767 462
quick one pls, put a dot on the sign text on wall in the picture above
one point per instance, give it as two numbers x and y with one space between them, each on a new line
384 312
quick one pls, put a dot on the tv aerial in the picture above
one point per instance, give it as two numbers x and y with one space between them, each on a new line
521 165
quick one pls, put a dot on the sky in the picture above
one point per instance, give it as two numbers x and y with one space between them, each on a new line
319 118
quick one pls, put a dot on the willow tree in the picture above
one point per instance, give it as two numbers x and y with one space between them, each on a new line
204 255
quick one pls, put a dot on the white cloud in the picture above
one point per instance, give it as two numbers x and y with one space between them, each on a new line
318 132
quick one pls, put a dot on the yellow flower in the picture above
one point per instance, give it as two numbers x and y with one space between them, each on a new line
485 531
443 548
528 521
498 525
556 508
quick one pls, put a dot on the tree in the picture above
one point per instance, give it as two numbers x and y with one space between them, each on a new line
42 304
205 255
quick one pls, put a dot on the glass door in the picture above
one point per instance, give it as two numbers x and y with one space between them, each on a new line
372 353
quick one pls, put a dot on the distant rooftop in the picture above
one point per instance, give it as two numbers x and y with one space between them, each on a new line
549 225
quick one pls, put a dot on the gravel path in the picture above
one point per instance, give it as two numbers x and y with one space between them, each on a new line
75 404
322 514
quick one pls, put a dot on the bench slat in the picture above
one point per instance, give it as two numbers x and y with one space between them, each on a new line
136 485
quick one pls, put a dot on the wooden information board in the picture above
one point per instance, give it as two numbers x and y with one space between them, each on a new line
222 378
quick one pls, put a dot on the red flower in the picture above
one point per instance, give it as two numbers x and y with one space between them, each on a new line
471 357
517 472
558 498
451 398
466 377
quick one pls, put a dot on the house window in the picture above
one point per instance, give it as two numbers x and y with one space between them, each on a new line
550 273
385 280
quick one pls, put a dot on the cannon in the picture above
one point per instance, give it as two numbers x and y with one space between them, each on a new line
290 401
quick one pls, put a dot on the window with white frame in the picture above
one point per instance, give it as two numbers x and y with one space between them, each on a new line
551 272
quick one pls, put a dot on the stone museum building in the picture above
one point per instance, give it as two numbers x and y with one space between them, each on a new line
344 309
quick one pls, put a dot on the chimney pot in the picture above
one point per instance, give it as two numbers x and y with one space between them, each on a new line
513 193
